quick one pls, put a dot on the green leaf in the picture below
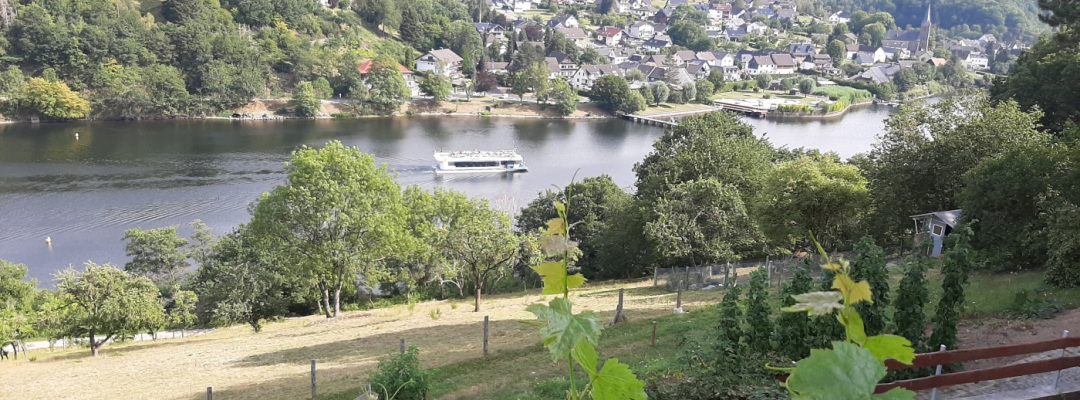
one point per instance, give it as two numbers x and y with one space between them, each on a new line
890 346
556 226
563 330
616 382
895 394
853 325
585 355
555 279
845 372
856 292
816 303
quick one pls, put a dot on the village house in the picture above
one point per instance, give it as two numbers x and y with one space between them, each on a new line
839 17
609 35
757 28
566 65
563 21
784 63
642 30
655 45
761 65
410 77
586 76
443 62
882 73
577 35
870 54
491 30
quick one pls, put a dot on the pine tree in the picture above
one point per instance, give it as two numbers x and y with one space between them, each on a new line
870 265
757 313
792 329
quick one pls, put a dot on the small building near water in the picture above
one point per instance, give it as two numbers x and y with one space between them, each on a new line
935 226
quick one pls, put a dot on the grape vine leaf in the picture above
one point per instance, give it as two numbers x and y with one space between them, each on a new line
563 329
554 245
890 346
555 279
585 355
853 325
615 381
556 226
845 372
856 291
895 394
816 303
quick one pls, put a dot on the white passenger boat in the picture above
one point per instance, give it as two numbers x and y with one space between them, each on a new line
479 161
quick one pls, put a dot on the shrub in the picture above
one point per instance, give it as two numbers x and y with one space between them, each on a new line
757 312
1034 305
399 377
794 108
869 264
793 329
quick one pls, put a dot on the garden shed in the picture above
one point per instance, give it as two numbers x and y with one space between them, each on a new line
935 226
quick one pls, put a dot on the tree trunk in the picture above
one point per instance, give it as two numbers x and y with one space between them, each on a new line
337 300
94 345
477 308
325 291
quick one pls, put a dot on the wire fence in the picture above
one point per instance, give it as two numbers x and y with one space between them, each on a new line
731 274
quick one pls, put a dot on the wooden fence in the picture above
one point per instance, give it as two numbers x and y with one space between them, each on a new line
986 374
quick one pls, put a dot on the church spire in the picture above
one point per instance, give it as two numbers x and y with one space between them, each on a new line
926 22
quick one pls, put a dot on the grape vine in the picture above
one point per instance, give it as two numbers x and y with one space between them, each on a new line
573 337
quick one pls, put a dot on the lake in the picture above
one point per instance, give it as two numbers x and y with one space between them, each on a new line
83 193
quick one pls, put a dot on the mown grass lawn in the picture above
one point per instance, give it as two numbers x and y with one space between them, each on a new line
275 363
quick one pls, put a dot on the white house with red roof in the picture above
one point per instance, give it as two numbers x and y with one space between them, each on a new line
609 35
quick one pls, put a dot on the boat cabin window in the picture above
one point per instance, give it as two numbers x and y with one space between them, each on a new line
475 164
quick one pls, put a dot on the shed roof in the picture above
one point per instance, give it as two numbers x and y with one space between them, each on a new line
951 217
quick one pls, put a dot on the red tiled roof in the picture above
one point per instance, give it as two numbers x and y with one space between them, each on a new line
365 67
610 31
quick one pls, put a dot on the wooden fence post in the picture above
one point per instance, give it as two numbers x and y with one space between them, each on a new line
486 320
209 393
402 346
655 275
312 379
653 334
619 317
678 301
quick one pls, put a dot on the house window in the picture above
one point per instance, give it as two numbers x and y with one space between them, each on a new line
938 230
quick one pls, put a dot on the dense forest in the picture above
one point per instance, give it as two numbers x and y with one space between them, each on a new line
1006 19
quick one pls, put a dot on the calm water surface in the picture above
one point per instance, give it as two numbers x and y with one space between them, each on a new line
84 193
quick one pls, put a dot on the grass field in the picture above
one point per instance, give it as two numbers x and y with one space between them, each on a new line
275 363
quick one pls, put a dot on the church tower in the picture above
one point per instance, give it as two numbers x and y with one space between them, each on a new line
924 31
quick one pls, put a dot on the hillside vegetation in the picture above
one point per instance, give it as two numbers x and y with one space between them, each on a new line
1007 19
149 58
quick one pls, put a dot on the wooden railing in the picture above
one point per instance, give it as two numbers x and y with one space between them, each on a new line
986 374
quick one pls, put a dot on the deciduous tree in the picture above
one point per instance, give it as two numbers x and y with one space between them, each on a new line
336 217
104 302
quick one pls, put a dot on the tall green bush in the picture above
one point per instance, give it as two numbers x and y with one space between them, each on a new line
792 329
730 331
757 312
869 264
959 261
910 317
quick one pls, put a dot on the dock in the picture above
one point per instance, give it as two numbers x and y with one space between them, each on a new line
745 109
667 120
